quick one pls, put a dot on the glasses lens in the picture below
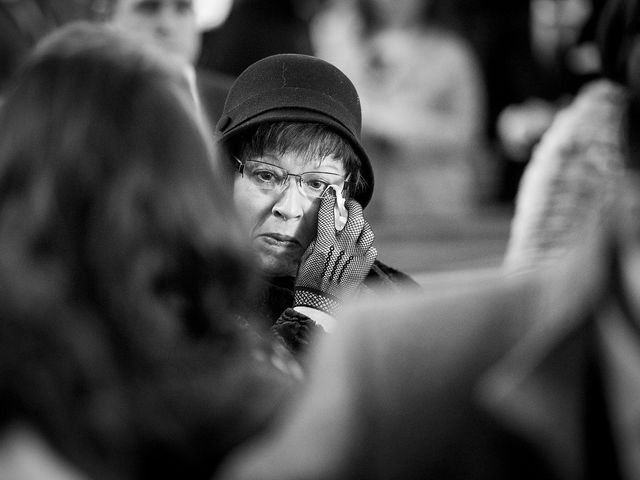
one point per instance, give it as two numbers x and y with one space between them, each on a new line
267 176
314 184
264 175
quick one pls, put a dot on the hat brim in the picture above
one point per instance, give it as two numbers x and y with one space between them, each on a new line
309 116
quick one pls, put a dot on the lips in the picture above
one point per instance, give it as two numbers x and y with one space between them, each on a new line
280 240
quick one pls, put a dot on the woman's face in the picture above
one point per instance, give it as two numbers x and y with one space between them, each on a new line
561 20
281 224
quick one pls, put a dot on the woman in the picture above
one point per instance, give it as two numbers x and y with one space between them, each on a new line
122 272
301 179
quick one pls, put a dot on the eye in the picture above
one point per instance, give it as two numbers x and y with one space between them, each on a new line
184 6
265 176
148 7
316 184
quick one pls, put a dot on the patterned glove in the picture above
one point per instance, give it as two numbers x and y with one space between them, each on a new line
336 263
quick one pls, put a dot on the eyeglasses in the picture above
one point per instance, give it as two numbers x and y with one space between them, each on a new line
267 176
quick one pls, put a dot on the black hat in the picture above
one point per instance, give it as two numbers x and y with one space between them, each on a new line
297 88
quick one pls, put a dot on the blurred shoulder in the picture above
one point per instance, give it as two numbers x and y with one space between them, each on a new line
383 274
462 312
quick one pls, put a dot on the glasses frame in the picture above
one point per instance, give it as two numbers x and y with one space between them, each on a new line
240 166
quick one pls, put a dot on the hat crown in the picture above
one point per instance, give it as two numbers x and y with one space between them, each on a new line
297 88
287 81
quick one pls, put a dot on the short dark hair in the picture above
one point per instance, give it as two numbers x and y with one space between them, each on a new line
312 141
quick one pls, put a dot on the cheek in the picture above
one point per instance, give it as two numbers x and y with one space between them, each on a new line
252 208
190 38
138 26
245 206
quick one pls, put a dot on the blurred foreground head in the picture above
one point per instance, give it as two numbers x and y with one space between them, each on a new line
106 180
121 270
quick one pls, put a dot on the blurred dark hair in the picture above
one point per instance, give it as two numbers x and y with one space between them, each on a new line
122 272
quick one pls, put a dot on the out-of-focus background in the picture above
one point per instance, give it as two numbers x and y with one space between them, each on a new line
455 95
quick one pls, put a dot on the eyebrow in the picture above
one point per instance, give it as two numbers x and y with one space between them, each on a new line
305 162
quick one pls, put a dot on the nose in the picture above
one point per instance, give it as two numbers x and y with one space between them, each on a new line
290 204
165 20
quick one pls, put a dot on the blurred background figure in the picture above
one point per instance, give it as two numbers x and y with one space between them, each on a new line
172 25
563 57
125 352
423 101
256 29
534 56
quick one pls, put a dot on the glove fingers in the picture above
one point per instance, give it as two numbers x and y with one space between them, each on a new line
355 221
308 252
326 230
366 238
371 256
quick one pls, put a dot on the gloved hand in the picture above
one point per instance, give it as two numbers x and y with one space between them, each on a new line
336 263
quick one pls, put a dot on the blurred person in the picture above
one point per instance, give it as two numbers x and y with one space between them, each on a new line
423 100
125 347
573 173
172 25
564 57
498 33
301 179
530 377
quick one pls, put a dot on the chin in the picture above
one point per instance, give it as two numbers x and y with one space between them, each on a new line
275 267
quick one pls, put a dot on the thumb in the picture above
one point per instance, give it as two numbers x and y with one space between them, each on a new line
326 226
